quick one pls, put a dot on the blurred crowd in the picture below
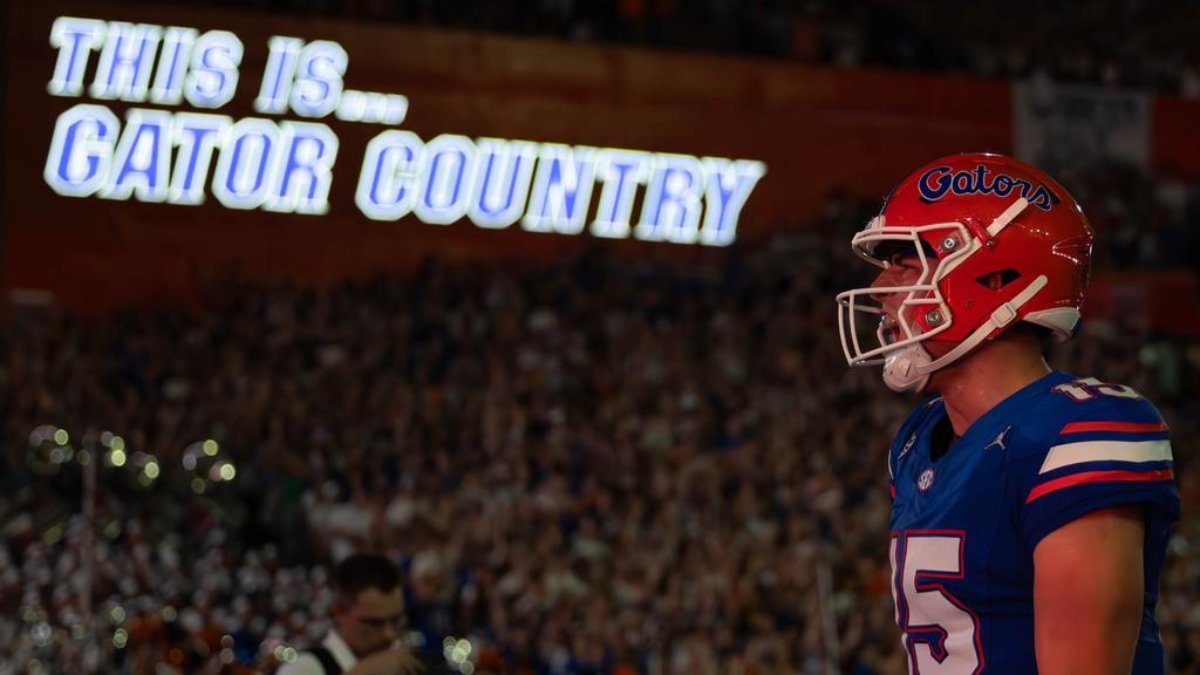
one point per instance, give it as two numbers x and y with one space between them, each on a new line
1070 42
605 466
1142 221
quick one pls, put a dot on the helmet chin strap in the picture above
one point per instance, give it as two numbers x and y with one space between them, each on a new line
908 369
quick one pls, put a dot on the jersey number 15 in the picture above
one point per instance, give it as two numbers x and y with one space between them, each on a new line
941 634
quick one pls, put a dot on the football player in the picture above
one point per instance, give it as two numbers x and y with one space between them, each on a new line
1031 508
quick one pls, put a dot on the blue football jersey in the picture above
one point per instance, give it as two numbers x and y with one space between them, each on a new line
964 526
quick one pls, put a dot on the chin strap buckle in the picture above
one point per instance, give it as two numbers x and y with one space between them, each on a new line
1004 315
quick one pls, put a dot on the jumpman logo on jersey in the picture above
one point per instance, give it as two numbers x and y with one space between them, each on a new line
999 439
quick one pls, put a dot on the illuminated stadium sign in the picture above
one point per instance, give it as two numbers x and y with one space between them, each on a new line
286 166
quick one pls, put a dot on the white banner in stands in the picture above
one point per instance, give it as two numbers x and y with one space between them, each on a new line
286 166
1058 126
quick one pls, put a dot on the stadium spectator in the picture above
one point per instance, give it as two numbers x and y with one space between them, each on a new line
368 611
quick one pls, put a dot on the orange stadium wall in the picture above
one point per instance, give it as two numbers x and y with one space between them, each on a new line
815 129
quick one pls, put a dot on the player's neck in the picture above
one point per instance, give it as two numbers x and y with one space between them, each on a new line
981 381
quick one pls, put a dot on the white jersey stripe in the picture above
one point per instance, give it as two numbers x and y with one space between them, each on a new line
1105 451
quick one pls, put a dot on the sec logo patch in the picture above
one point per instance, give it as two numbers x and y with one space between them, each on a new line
925 480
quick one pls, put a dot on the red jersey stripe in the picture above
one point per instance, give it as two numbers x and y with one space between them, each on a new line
1099 477
1084 427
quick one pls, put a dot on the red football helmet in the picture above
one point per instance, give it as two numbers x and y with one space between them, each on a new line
998 242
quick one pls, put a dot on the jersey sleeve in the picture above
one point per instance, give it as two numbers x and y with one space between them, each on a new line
1103 455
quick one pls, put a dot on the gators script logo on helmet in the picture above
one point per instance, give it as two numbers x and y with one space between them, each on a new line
936 182
998 242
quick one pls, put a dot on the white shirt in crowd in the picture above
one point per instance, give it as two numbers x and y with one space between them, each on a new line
307 664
